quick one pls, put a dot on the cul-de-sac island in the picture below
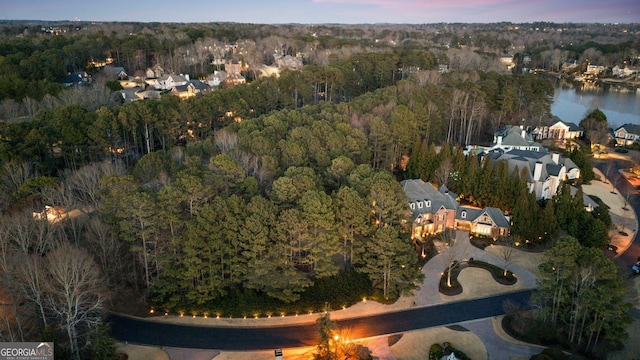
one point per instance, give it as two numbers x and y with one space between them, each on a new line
251 191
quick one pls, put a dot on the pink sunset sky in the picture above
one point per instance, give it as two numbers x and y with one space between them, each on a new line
327 11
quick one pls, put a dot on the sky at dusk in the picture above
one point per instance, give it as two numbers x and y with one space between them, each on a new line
326 11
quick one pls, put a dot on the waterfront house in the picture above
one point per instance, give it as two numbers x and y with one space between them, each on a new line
627 134
511 137
559 130
545 171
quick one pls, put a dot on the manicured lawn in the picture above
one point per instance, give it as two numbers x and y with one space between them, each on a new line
456 288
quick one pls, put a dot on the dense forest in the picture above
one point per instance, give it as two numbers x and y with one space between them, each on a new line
260 191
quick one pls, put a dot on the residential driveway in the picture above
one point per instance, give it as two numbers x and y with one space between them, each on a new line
476 283
429 293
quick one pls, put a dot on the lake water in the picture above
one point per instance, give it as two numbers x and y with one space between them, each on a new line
572 104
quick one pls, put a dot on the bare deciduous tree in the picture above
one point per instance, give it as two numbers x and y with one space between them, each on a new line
9 109
29 235
443 171
425 77
85 182
104 246
506 253
31 276
225 140
449 237
74 294
12 175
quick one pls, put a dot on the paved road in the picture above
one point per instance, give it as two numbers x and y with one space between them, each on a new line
630 256
158 333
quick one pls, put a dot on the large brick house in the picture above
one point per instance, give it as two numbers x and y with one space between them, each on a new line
434 210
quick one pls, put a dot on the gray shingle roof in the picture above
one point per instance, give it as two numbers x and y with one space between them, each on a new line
472 214
497 216
426 198
630 128
573 127
553 169
512 136
585 198
199 85
527 159
568 163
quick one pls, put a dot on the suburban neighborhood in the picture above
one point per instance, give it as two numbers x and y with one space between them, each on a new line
319 191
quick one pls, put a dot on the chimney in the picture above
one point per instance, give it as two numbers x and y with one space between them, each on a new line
524 133
499 142
555 157
537 172
186 76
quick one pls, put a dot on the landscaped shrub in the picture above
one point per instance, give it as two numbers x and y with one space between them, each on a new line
449 348
635 146
481 242
435 353
455 288
344 289
496 271
535 331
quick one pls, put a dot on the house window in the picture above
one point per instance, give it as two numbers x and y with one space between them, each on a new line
419 205
463 214
428 203
413 206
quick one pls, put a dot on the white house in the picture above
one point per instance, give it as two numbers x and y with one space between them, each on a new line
52 214
289 62
617 71
559 130
168 82
594 69
510 137
627 134
545 171
217 78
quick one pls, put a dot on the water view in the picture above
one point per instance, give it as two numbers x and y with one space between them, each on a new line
573 103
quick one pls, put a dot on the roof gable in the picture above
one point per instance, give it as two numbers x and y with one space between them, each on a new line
425 198
630 129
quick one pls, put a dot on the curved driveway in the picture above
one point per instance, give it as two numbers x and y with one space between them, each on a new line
157 333
631 254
